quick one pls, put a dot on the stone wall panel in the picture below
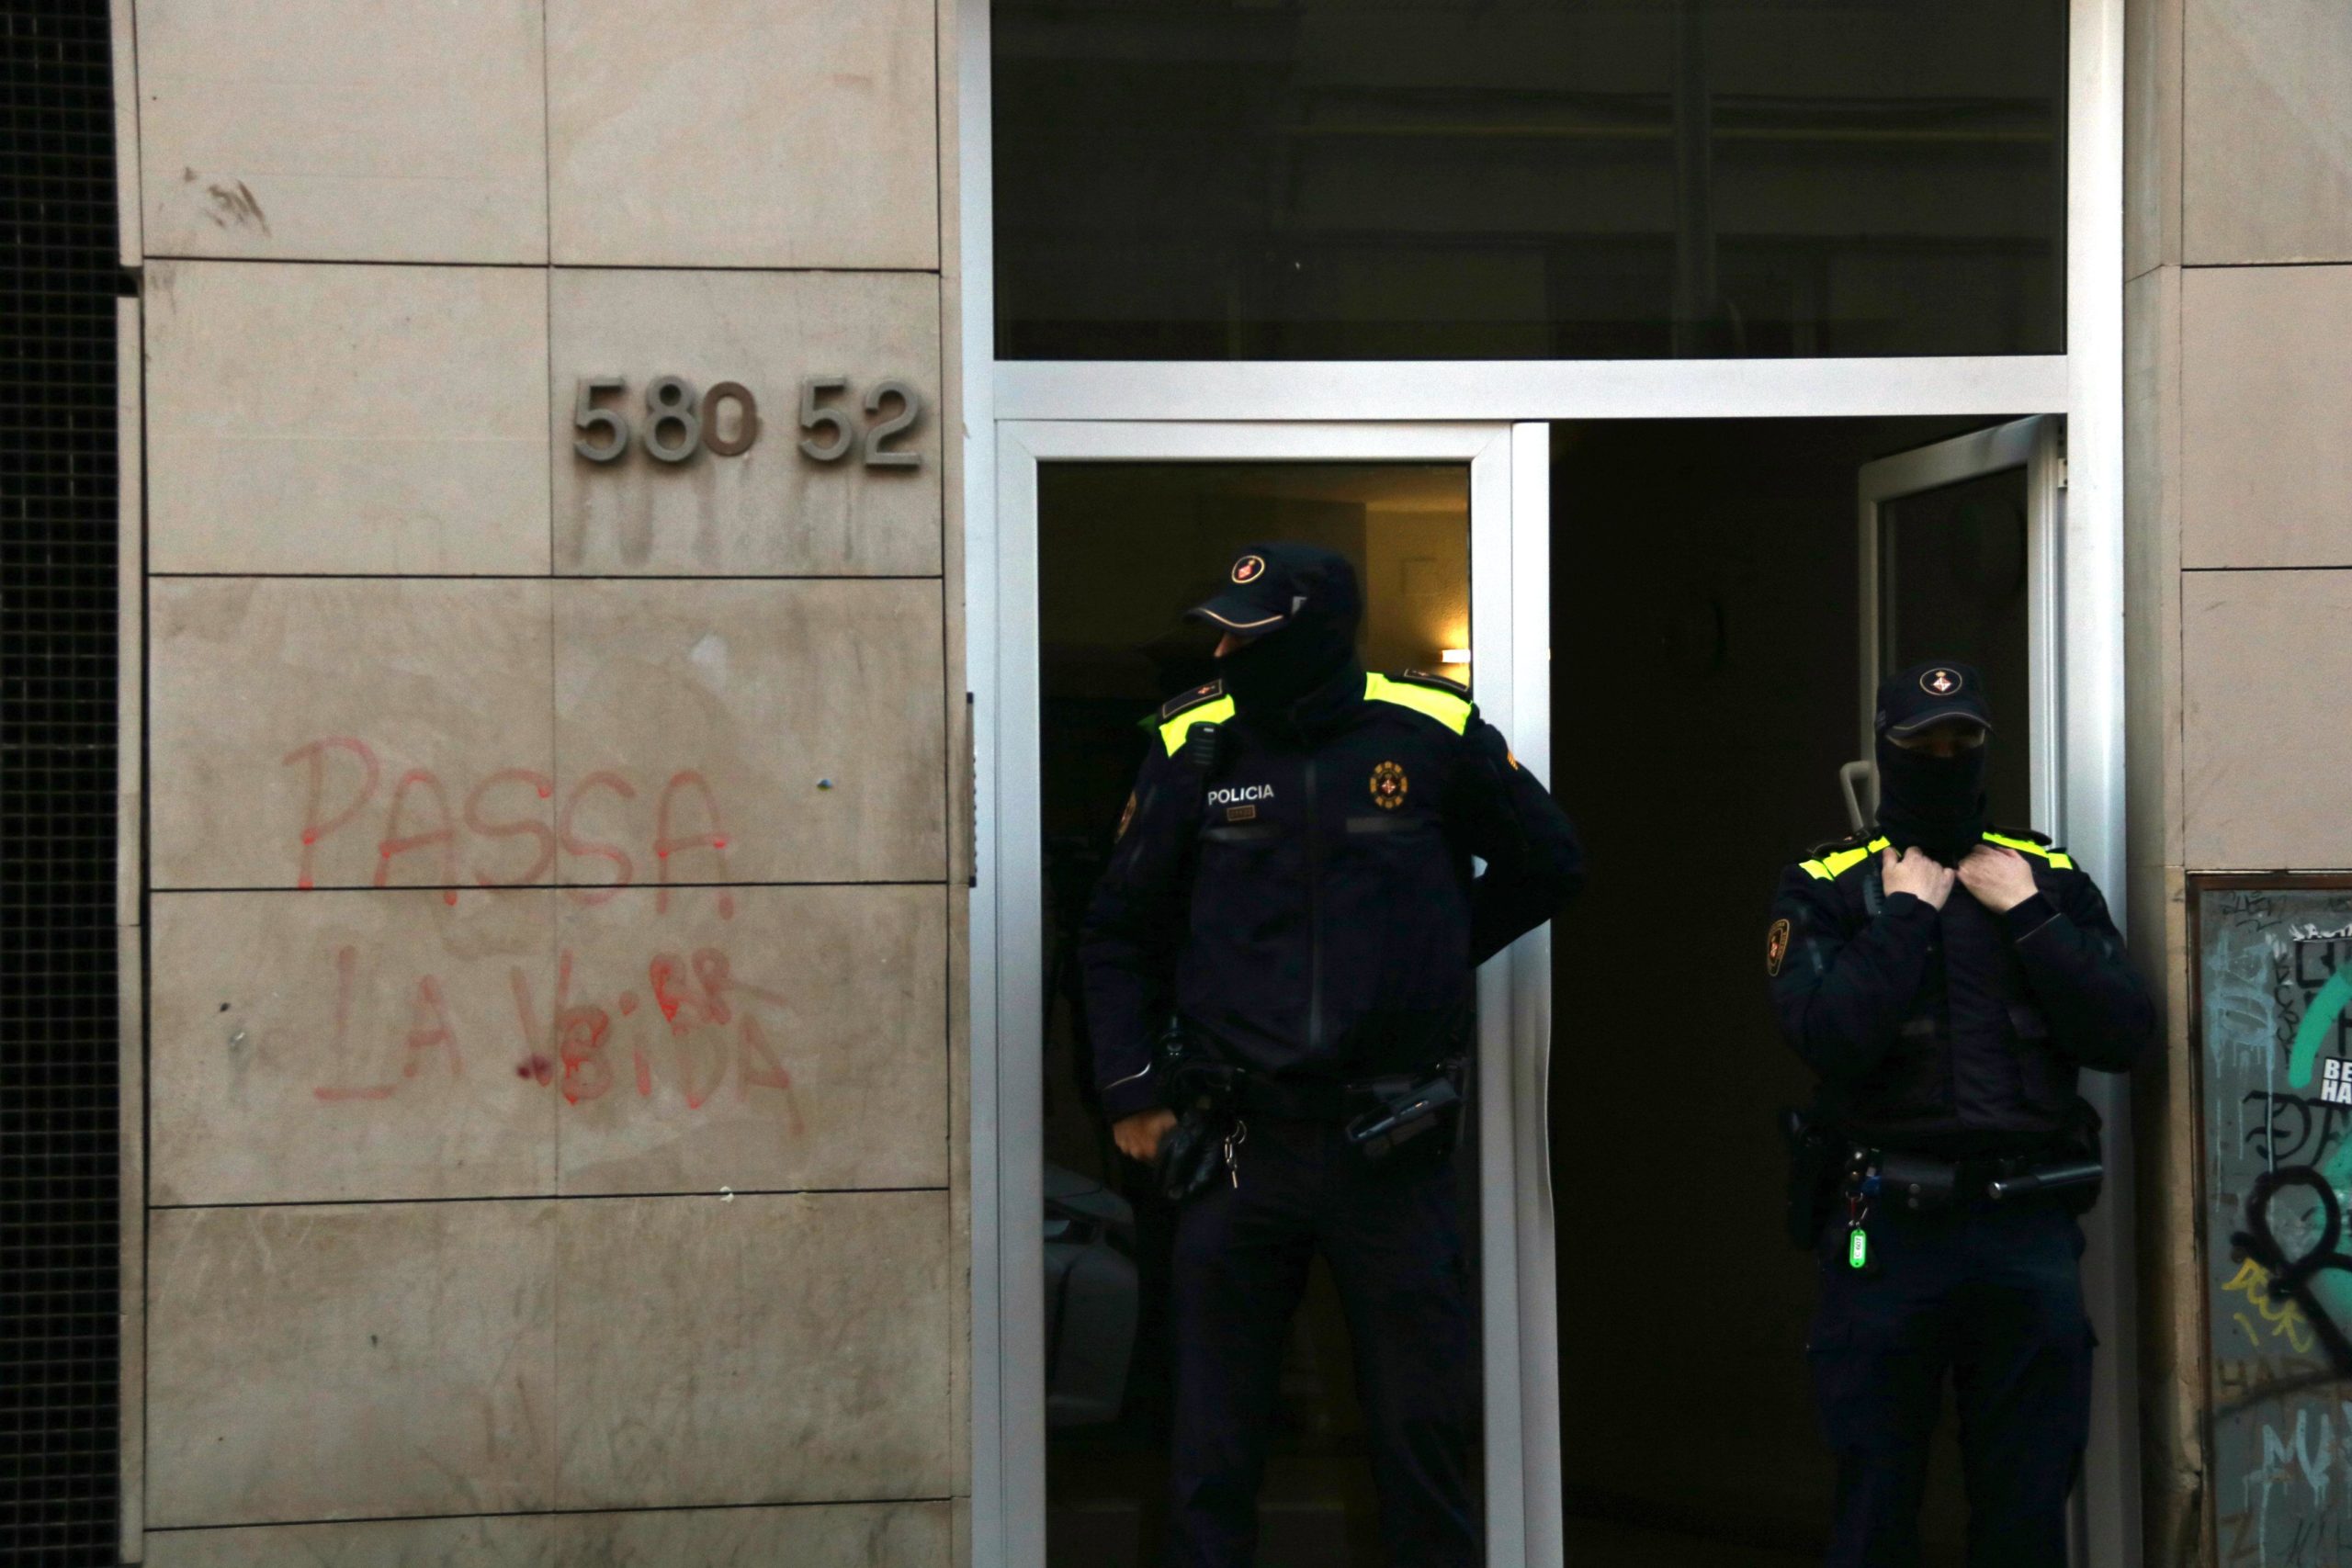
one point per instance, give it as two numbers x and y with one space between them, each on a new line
712 133
331 1361
344 130
2268 699
770 510
757 1039
312 1047
347 419
753 1349
716 731
2265 476
300 729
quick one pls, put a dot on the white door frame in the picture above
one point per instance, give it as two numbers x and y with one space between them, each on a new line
1509 637
2036 445
2085 384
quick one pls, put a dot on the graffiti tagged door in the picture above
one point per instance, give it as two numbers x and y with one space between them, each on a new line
2274 973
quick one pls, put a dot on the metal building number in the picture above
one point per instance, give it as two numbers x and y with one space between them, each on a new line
676 423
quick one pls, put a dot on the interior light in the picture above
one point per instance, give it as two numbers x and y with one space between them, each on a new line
1453 656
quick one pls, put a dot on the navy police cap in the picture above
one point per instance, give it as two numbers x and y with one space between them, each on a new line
1268 584
1910 700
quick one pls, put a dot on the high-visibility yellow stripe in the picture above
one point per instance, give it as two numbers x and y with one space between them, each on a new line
2059 859
1443 706
1171 734
1829 868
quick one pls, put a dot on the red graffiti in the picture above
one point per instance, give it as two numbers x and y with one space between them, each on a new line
315 828
346 959
483 842
393 846
713 838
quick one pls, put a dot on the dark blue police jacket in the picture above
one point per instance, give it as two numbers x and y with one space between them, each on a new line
1309 904
1955 1031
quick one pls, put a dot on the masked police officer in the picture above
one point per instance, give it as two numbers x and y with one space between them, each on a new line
1946 981
1294 888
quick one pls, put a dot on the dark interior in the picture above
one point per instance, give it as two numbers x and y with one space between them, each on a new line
1528 179
1706 689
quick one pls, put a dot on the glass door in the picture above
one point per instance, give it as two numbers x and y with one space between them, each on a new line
1109 531
1959 561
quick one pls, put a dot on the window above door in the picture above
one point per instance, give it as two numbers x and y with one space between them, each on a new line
1529 179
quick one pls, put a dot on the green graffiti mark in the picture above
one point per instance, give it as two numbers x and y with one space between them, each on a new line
2318 1018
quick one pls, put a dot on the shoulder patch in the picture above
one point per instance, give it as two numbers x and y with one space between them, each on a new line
2026 833
1430 678
1191 699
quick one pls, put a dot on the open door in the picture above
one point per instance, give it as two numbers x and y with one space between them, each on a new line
1959 560
1107 530
1962 559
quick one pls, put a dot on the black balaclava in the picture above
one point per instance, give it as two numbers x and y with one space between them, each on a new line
1273 672
1936 803
1932 803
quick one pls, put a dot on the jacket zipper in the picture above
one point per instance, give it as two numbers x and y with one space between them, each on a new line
1314 920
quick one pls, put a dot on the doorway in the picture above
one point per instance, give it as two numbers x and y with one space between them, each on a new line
1106 530
1711 618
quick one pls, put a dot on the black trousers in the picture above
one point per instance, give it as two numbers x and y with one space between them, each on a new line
1992 1298
1393 1242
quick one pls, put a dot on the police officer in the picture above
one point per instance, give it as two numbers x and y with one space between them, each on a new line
1293 885
1946 980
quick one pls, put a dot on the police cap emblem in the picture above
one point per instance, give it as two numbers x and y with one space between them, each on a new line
1941 682
1389 787
1248 568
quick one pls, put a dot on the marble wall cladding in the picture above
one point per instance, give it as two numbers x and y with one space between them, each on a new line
771 508
764 731
331 1362
837 1535
762 1349
2266 129
301 728
2265 708
331 1045
2264 474
347 419
756 1038
343 129
512 1541
742 133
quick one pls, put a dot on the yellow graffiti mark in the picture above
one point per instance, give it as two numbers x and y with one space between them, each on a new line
2248 1324
2286 1318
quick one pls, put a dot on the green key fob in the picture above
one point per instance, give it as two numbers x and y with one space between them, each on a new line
1859 1258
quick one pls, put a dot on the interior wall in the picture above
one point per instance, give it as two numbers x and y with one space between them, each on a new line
1705 686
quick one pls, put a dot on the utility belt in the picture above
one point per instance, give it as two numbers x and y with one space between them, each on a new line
1832 1174
1383 1119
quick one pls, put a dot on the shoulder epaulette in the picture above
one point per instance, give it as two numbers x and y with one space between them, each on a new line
1208 692
1206 703
1430 678
1835 859
2026 841
1431 695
